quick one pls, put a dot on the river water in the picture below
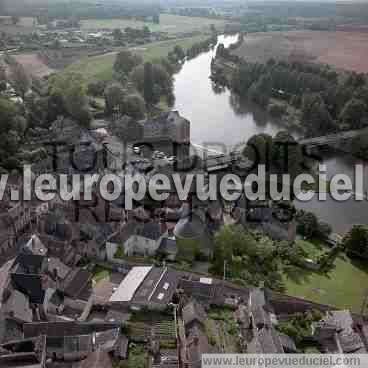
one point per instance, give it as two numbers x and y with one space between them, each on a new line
217 116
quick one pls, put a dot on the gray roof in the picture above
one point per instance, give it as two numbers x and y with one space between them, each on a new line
61 268
168 246
69 328
192 312
287 343
190 227
76 282
17 306
149 230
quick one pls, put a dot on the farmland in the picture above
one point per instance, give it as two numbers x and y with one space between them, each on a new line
34 64
344 50
168 23
24 26
100 67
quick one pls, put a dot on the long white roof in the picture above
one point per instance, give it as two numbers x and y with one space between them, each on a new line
130 284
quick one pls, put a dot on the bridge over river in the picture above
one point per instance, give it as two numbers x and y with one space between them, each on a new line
333 139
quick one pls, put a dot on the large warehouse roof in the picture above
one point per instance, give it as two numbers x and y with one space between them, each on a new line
130 284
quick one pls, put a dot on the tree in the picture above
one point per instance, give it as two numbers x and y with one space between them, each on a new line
152 81
354 114
11 130
252 260
146 32
70 93
134 106
96 89
307 223
355 241
19 78
259 148
315 116
180 53
114 98
117 34
149 85
125 61
359 146
3 79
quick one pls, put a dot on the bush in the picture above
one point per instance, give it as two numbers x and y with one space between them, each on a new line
277 110
134 106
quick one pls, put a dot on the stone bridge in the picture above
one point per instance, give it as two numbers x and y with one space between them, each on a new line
336 140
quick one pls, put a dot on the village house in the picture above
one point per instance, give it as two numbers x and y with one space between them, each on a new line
74 341
146 287
338 334
24 353
135 238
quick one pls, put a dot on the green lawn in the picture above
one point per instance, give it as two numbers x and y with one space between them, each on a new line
100 67
344 287
100 273
168 23
313 248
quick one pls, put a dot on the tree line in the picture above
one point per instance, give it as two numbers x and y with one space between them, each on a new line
327 101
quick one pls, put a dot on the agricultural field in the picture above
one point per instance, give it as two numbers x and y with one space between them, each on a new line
24 26
168 23
34 64
100 67
343 50
343 287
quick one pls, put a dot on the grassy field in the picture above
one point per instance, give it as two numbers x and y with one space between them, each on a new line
100 67
168 23
344 287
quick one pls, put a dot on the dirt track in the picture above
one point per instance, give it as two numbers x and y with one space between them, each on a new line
344 50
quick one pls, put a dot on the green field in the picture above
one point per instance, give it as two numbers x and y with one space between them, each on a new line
344 287
100 67
168 23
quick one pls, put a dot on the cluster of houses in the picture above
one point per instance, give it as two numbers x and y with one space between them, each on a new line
53 312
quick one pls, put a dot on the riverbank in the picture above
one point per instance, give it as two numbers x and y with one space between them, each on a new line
219 116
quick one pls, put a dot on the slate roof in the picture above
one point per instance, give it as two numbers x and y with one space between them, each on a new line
168 246
189 227
75 282
69 328
287 343
31 285
259 307
17 306
122 347
24 353
197 289
149 230
192 312
61 268
106 340
341 324
29 263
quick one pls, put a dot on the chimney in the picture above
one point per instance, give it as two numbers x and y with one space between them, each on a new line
55 274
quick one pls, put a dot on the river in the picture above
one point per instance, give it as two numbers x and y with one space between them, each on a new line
217 116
